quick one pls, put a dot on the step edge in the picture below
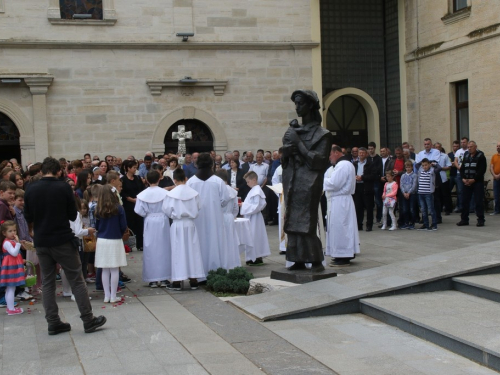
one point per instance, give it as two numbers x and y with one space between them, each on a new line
459 280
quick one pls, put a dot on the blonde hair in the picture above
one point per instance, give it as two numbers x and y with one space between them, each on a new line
107 202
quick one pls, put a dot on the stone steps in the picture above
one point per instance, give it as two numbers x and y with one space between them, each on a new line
484 286
462 323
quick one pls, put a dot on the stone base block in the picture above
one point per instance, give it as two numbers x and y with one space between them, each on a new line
266 284
301 276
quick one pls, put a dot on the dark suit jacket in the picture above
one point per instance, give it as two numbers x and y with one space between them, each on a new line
370 175
245 167
240 181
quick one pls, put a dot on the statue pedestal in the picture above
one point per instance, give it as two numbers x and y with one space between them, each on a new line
301 276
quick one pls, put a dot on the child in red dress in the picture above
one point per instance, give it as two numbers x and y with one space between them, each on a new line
12 273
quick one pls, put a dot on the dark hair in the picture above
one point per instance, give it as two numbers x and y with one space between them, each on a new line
148 158
108 168
35 169
50 165
427 139
424 160
179 174
398 148
465 138
84 155
372 144
157 167
173 158
236 160
153 176
77 164
205 161
457 142
81 181
13 177
336 148
3 227
127 164
78 203
62 159
107 202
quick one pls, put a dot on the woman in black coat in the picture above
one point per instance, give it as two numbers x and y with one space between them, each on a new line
235 177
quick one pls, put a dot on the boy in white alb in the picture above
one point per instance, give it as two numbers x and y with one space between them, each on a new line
182 205
251 209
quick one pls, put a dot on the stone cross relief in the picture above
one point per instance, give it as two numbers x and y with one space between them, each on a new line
181 134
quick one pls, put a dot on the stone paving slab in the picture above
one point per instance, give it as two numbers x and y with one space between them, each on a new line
465 318
488 282
320 294
356 344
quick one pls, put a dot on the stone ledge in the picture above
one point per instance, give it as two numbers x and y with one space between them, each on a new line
457 16
84 44
156 86
60 21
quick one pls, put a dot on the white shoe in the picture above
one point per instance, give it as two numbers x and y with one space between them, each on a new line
115 300
383 227
393 228
106 299
90 280
24 296
68 295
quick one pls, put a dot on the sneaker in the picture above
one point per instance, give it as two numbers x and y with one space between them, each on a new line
393 228
423 227
106 300
115 300
404 226
434 227
494 213
15 311
153 285
74 300
383 227
94 324
67 294
24 296
164 283
121 284
410 226
3 302
457 210
91 275
193 284
90 280
55 329
125 279
176 285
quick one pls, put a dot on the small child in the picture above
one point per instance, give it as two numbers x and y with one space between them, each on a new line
93 194
426 185
12 273
182 205
251 209
230 212
110 255
408 186
389 198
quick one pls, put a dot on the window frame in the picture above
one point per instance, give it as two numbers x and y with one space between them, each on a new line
455 9
2 6
108 15
461 105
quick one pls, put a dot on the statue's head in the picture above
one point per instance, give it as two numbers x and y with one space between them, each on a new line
306 101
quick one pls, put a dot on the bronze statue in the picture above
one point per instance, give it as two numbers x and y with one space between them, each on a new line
306 149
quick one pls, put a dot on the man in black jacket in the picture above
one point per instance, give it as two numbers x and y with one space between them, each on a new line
366 175
472 172
49 207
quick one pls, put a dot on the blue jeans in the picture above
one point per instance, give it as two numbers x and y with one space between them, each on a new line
408 209
496 195
427 205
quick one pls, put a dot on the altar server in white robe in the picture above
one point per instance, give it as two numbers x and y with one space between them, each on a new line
276 182
209 223
182 205
230 212
251 209
157 251
342 235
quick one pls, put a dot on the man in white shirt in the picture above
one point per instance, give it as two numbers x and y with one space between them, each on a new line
442 192
428 152
261 169
459 156
228 156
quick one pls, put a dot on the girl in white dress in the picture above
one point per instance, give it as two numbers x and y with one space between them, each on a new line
182 205
110 252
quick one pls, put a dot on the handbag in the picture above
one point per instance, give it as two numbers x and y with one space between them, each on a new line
132 240
89 243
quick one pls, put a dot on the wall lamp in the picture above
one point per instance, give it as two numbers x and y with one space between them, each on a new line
185 36
188 80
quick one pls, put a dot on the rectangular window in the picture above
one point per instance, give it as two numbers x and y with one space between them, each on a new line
81 9
462 105
459 4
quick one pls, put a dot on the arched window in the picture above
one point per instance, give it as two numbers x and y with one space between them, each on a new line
202 139
9 139
346 119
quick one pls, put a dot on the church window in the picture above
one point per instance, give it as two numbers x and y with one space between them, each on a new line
462 106
74 8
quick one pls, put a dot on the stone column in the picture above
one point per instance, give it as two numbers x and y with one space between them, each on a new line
38 87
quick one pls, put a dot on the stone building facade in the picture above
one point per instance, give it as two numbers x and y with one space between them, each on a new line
386 70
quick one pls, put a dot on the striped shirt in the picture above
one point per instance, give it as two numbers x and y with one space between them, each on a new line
424 182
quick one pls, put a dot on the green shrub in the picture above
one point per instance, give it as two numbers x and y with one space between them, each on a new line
234 281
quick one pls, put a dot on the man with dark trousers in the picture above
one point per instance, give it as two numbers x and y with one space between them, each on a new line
472 172
366 175
49 207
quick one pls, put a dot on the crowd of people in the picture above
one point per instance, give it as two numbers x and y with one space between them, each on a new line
182 214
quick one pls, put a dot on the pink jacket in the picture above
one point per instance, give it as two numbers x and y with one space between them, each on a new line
394 191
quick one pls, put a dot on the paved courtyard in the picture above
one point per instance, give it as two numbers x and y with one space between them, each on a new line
193 332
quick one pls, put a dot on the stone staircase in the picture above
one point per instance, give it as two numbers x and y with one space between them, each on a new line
464 319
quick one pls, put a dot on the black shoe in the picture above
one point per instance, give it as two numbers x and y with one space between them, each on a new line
258 262
480 224
439 221
360 227
94 324
282 252
380 225
193 284
125 279
462 223
176 285
340 262
447 213
55 329
423 227
369 229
